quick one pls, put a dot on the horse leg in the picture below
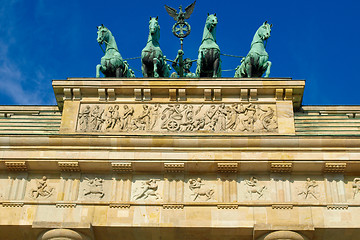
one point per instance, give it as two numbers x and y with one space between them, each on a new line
144 70
268 63
156 62
250 66
216 67
118 72
196 195
98 70
198 63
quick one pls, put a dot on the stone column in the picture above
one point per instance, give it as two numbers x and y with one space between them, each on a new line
62 234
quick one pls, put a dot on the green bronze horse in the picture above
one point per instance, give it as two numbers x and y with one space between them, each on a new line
256 63
153 61
112 64
209 63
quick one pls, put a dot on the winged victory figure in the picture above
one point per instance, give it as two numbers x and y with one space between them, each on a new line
180 16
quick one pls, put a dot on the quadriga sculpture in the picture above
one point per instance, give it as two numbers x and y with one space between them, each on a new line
112 64
209 63
152 59
256 63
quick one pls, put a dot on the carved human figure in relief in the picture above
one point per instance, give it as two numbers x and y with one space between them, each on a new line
112 117
309 189
253 187
96 118
94 187
84 118
154 115
250 117
148 188
356 187
199 190
233 113
42 189
126 119
142 122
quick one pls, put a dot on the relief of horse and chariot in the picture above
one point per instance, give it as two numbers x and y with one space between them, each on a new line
156 65
176 118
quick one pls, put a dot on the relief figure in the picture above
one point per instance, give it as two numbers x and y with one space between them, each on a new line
148 188
84 119
309 189
94 187
356 187
199 190
254 188
42 189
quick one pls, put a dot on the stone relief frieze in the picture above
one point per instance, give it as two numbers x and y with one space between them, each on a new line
42 189
147 190
309 190
255 191
94 188
356 187
174 118
199 190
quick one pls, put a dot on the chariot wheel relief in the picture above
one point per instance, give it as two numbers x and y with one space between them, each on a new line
173 125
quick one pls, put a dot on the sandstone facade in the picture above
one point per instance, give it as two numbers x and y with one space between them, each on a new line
179 159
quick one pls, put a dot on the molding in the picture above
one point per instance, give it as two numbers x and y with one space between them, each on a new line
65 205
17 166
337 207
174 167
279 167
122 166
282 206
173 206
229 167
116 205
69 166
12 204
334 167
227 206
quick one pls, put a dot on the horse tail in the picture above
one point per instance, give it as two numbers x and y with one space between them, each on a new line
211 192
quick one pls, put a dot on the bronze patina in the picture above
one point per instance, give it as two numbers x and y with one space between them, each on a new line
112 64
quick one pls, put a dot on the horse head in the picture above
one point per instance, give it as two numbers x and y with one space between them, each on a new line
154 27
211 21
102 34
264 30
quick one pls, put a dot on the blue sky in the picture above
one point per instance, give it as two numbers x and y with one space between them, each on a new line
41 40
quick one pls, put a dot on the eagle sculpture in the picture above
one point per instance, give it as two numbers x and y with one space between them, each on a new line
180 16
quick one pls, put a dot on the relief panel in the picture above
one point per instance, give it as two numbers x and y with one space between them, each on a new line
352 188
175 118
95 188
254 188
42 187
147 188
201 189
308 189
